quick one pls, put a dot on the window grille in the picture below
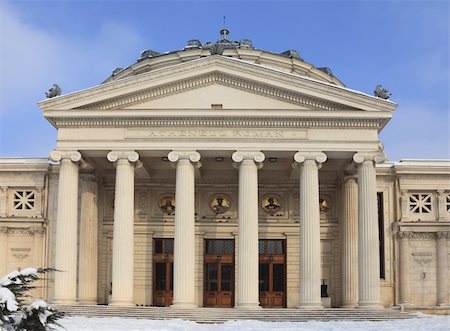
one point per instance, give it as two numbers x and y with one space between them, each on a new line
217 246
271 247
24 200
420 203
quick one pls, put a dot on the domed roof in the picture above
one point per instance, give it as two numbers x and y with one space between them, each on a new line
288 61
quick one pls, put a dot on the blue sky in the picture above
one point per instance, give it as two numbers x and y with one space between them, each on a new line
403 45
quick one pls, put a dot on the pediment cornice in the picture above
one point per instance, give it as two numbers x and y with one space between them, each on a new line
220 79
239 74
221 122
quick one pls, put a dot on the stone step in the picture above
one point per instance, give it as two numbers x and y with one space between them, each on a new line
220 315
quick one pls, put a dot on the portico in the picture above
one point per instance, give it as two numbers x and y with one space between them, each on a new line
217 148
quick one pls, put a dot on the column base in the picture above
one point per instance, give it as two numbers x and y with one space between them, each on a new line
87 302
312 305
183 305
349 305
248 305
118 303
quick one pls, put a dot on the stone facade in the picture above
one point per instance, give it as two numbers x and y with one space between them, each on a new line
242 180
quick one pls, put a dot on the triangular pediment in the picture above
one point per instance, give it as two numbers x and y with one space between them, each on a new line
214 96
216 80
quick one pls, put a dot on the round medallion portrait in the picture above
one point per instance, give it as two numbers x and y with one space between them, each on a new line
271 205
167 204
323 205
219 204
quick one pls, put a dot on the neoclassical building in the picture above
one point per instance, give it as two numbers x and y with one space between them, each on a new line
222 175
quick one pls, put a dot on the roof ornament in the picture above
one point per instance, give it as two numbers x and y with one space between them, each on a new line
54 91
224 32
381 92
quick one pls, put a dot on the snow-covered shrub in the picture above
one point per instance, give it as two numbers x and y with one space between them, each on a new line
13 315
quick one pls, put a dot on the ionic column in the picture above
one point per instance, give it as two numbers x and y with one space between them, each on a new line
66 227
310 258
87 270
368 241
248 258
350 243
184 241
442 268
123 231
403 242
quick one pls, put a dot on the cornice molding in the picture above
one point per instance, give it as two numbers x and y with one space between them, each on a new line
215 63
262 122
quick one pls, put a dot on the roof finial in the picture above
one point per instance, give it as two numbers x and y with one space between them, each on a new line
224 32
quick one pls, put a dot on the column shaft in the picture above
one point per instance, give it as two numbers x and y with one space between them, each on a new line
368 242
87 272
66 234
404 266
442 268
350 244
310 259
248 291
184 252
123 240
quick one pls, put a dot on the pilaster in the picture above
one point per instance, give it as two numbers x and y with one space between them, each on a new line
368 241
310 259
184 241
66 226
248 258
350 242
123 231
3 201
442 205
442 268
404 238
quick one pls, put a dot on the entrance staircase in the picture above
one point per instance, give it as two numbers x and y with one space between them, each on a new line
221 315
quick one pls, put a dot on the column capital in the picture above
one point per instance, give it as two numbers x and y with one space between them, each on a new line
318 157
376 157
74 156
256 156
131 156
192 156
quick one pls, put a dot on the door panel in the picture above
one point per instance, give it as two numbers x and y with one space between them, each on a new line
219 273
272 273
162 272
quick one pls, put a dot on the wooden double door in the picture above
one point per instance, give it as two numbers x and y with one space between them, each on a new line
272 273
218 273
162 272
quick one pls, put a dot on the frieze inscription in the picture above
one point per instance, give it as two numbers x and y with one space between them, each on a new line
193 133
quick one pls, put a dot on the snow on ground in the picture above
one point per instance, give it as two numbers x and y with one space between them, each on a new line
421 323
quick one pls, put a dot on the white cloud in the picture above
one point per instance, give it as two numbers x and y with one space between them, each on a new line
33 59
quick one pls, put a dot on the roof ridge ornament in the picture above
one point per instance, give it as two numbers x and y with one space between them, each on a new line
381 92
54 91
